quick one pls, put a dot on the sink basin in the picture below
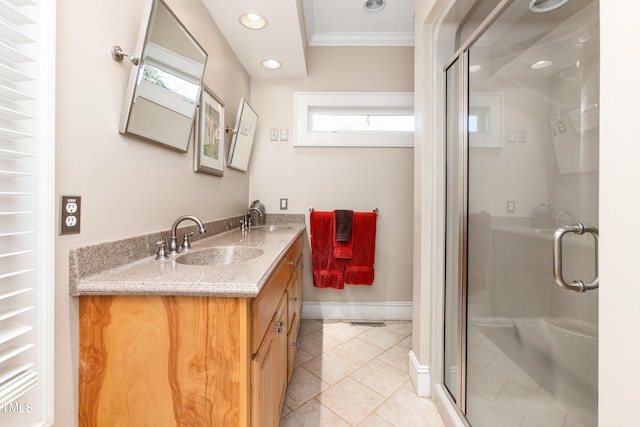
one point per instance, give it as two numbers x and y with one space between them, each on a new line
271 228
220 255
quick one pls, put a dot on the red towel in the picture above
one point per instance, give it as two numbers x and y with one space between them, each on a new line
359 269
327 271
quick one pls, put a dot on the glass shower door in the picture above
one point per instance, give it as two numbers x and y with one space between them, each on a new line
531 219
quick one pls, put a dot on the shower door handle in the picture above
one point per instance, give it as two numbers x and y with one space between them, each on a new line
576 285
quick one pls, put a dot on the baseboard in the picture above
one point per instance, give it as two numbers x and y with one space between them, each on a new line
328 310
420 375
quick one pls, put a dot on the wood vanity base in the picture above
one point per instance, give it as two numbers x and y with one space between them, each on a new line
190 361
163 361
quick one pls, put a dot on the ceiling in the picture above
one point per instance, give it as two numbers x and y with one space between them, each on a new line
292 25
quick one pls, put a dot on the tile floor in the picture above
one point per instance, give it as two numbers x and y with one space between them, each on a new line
530 393
348 375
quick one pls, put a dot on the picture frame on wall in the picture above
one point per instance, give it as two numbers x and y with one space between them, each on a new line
208 155
243 136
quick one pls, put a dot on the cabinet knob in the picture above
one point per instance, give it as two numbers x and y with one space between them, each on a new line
294 299
292 263
295 344
279 327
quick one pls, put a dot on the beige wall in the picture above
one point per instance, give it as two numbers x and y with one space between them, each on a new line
619 371
328 178
128 186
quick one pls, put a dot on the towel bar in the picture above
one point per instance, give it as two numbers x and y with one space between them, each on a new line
374 210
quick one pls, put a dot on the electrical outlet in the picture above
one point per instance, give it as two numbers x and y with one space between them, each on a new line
273 134
70 215
284 134
284 204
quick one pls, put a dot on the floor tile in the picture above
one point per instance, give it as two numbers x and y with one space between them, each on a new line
351 400
313 414
358 350
407 409
535 406
331 367
375 421
303 387
309 325
316 342
381 337
381 377
397 356
343 331
355 376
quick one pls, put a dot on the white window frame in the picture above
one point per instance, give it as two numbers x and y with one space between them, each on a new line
350 102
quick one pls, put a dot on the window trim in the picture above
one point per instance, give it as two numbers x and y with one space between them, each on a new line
304 102
35 406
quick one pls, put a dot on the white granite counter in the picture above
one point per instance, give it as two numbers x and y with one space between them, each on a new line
149 276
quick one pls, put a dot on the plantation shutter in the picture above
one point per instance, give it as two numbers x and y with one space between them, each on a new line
26 212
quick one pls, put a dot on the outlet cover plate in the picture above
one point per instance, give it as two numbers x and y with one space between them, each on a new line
69 215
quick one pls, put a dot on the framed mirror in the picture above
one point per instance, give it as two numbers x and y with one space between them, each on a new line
243 135
164 88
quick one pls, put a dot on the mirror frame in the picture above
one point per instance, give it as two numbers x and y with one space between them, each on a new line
144 35
243 136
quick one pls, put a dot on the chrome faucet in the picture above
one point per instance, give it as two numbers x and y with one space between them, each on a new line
173 240
245 224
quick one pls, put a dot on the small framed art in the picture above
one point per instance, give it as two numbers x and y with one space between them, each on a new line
208 156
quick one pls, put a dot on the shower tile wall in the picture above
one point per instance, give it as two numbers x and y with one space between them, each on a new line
523 284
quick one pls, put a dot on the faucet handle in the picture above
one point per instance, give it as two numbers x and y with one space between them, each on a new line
185 241
162 251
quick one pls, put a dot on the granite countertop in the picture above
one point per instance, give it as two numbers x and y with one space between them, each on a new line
149 276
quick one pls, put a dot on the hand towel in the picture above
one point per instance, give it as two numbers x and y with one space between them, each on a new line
359 269
344 225
342 241
327 271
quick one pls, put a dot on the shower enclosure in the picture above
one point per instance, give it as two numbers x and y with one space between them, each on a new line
521 298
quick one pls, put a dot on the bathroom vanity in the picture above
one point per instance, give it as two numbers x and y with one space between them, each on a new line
184 343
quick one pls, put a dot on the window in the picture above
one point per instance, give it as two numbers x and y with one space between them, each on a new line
27 41
354 119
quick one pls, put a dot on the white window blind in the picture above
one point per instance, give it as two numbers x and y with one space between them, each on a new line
26 211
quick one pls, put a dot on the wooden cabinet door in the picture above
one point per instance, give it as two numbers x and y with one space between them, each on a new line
282 378
294 294
269 373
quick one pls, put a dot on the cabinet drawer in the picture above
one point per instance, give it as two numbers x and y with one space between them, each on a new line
294 256
264 305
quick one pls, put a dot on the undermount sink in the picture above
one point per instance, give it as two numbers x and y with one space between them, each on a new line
220 255
271 227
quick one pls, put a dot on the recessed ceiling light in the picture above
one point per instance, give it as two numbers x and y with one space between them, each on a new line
374 5
474 68
253 21
271 64
541 6
540 65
